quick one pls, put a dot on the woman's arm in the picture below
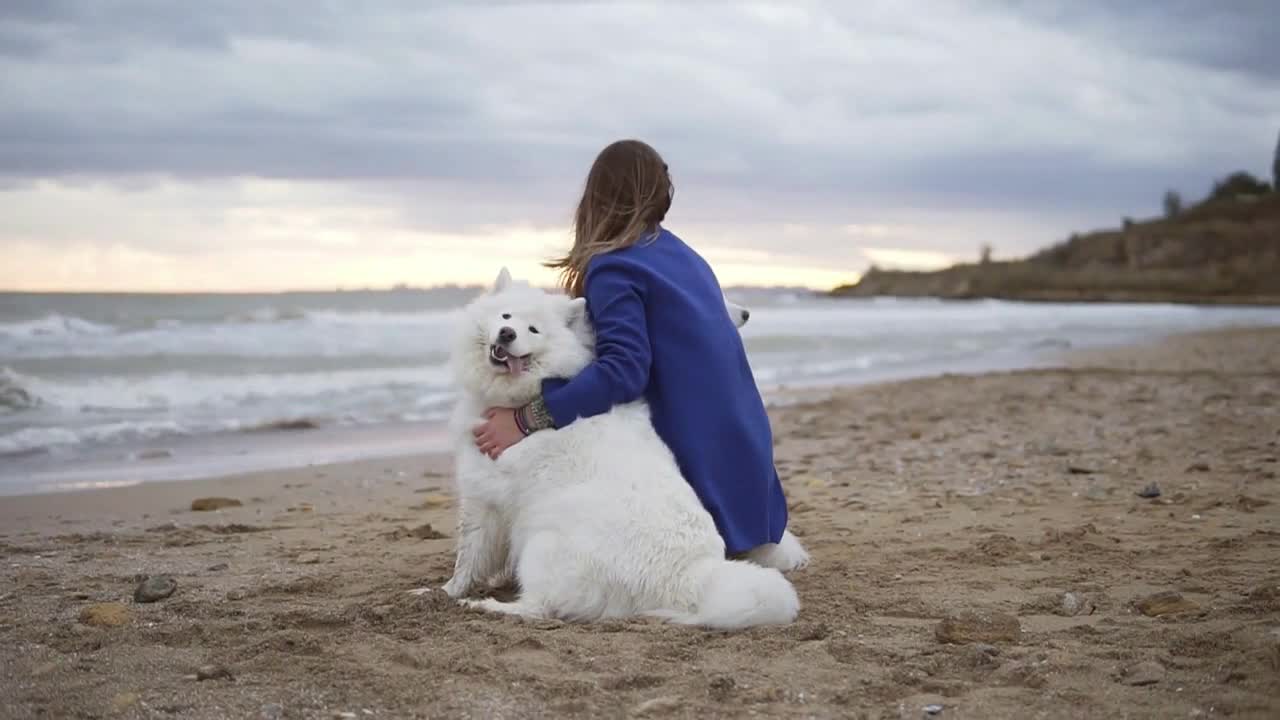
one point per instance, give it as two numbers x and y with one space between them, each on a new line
619 374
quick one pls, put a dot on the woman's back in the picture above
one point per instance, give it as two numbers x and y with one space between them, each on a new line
701 392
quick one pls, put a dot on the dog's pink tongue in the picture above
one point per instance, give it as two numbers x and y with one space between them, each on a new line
515 365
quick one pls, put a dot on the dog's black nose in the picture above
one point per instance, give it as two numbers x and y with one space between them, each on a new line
506 336
746 315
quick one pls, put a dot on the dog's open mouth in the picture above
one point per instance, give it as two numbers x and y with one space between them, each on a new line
515 364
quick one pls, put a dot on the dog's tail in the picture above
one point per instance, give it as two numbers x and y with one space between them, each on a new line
738 594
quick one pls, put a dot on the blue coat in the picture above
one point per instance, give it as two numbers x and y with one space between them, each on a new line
662 332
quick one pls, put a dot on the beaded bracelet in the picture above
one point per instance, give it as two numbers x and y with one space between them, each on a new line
521 425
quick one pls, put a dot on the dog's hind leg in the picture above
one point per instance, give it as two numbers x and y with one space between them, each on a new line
482 548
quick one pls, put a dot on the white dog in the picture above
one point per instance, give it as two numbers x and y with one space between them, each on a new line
593 520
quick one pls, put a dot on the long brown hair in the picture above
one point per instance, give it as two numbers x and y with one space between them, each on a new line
628 192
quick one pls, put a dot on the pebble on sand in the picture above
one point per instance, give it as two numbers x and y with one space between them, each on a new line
124 701
214 672
435 500
105 615
154 588
214 503
658 706
1147 672
308 559
983 627
1165 603
1150 492
1073 604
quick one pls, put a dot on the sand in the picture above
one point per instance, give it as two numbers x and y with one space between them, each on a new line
1005 502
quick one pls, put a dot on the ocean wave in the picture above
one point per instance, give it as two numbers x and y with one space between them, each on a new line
266 315
266 332
183 390
52 326
14 395
41 439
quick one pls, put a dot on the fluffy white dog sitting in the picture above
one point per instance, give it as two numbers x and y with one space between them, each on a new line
593 520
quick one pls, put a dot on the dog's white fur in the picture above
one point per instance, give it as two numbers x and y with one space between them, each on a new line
593 520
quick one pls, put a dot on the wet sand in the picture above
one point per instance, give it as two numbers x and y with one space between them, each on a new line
1007 497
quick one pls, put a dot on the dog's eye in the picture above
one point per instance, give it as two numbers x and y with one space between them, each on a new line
533 330
506 316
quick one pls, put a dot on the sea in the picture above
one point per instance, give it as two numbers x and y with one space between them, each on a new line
111 389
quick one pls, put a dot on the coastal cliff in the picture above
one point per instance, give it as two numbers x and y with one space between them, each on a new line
1224 250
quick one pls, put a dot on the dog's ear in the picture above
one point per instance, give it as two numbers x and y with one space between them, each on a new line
576 312
503 281
737 313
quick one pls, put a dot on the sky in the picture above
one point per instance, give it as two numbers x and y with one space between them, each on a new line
260 145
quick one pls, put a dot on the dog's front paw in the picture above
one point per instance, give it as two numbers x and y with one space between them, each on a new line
457 587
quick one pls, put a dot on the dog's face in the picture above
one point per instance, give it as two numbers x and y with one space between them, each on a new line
515 336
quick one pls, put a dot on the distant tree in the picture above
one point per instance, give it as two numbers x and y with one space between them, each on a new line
1128 223
1275 168
1172 204
1238 184
986 253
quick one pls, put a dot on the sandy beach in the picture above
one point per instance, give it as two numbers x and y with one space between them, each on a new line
980 551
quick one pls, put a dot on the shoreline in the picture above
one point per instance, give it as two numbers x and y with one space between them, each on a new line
192 458
434 453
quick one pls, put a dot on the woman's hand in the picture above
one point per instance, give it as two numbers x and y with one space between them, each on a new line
498 432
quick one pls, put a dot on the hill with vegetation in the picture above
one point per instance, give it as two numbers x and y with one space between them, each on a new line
1226 249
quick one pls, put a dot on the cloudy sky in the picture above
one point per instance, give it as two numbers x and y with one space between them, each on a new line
250 144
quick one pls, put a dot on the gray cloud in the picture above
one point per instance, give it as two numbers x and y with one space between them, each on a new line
831 107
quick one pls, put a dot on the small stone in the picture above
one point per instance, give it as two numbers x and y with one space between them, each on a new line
932 709
435 500
344 715
1080 470
985 627
426 532
234 595
1150 492
1073 604
721 688
1165 603
271 711
1148 672
1250 504
308 558
213 672
1028 673
657 706
806 632
218 568
980 656
213 503
153 589
1199 467
105 615
123 701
